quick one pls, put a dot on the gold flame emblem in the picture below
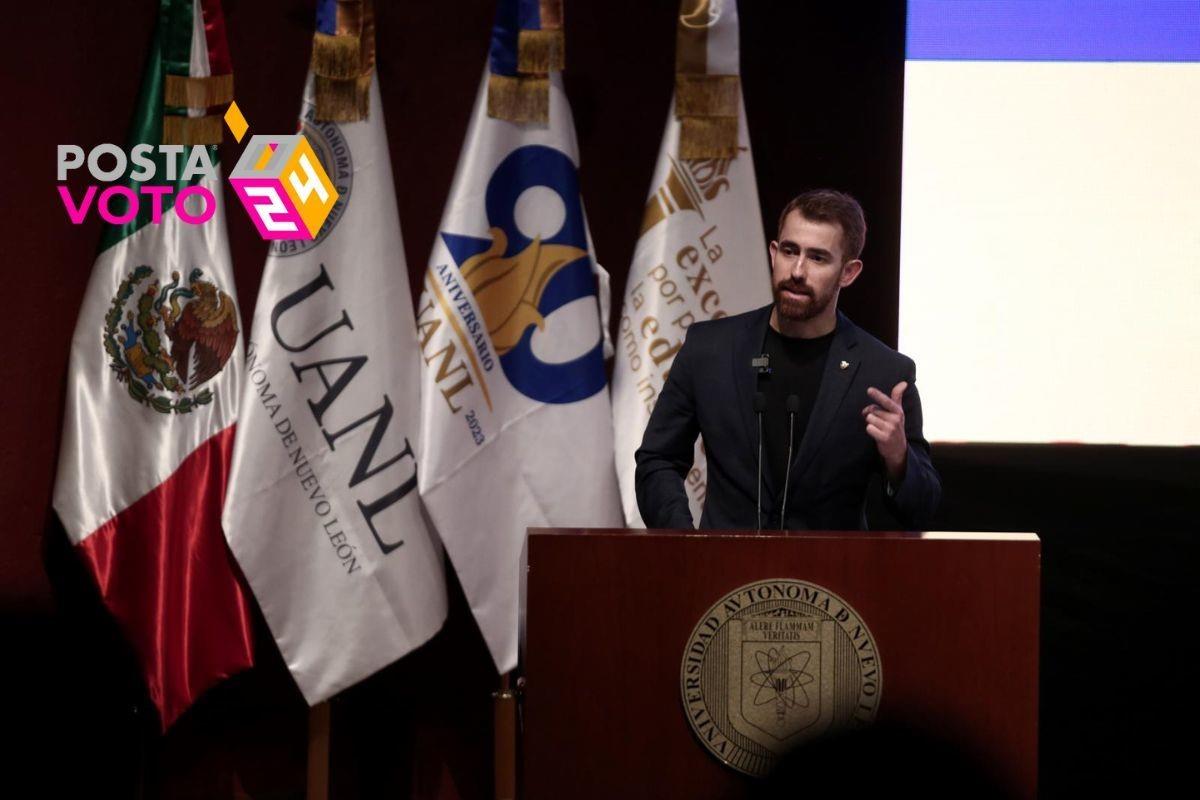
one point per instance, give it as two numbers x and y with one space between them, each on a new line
508 290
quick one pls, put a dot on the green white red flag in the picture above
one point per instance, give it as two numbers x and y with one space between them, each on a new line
153 390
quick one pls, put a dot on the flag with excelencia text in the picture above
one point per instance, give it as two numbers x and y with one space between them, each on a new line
517 423
701 254
323 512
154 382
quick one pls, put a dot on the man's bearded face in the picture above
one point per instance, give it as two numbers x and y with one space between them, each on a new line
806 268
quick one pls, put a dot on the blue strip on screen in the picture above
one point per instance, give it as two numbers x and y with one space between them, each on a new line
1053 30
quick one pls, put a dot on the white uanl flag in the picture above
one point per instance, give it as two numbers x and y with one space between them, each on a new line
701 255
517 423
152 400
323 511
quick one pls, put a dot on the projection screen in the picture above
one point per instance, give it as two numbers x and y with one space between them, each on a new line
1050 232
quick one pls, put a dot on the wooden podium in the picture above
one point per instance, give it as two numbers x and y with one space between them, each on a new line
952 618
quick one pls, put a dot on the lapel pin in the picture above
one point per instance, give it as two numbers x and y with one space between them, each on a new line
844 365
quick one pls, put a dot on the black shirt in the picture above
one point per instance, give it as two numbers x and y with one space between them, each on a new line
796 368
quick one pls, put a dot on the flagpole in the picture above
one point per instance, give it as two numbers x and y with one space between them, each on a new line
505 752
318 752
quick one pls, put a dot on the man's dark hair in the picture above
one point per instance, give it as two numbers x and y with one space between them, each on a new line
830 205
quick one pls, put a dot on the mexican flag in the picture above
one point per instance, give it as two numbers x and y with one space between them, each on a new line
153 391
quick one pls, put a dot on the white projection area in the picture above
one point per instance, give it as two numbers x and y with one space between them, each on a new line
1050 236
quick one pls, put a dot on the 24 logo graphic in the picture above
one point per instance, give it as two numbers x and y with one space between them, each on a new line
283 186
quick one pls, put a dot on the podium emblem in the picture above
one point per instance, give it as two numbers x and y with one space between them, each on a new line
773 664
780 676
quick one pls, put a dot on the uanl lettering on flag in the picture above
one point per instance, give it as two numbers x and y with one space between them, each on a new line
153 388
517 422
701 254
323 511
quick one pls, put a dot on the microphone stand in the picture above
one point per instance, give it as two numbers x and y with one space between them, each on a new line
793 407
760 405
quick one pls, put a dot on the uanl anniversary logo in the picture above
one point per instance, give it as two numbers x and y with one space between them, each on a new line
167 341
773 664
501 295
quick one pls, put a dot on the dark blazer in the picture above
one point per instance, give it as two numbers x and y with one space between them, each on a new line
710 391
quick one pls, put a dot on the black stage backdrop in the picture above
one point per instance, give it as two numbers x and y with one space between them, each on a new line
823 85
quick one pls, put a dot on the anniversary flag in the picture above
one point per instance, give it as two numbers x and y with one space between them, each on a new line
701 254
517 425
154 383
323 510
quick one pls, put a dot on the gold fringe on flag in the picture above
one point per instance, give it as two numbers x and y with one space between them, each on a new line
335 56
708 137
182 91
342 100
706 95
192 130
519 99
342 64
525 97
539 52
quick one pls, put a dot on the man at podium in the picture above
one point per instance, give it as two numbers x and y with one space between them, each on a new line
797 405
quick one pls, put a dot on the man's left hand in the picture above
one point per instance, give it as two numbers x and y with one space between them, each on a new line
885 424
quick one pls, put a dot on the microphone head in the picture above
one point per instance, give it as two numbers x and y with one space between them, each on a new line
760 402
793 404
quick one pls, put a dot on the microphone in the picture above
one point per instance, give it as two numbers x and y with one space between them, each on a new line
760 405
793 408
